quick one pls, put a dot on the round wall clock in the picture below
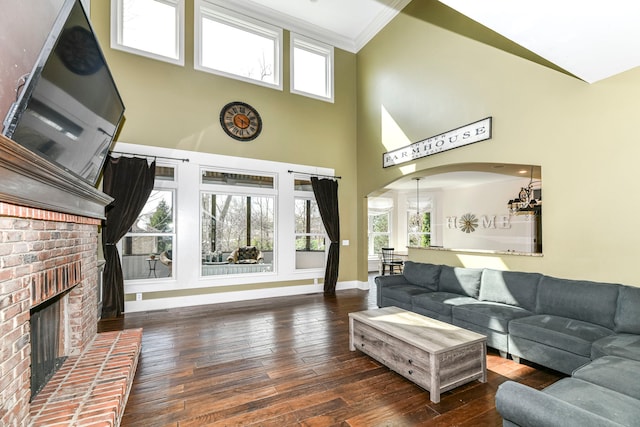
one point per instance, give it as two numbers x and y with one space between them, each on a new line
79 52
240 121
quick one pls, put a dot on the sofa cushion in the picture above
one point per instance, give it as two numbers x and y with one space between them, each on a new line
490 315
563 333
403 293
591 302
461 281
606 403
627 318
440 302
614 373
422 274
510 287
623 345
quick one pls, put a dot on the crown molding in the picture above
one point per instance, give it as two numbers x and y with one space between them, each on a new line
379 23
299 26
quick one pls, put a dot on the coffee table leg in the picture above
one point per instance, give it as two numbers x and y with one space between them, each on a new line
351 346
434 367
483 357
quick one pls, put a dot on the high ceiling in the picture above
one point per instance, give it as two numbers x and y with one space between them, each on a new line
586 38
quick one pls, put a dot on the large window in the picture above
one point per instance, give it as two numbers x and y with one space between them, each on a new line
147 249
311 68
238 47
152 28
379 235
237 223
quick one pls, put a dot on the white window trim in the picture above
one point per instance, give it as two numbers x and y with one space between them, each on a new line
215 12
301 42
116 33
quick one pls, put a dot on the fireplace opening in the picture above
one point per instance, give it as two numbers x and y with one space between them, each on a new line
47 341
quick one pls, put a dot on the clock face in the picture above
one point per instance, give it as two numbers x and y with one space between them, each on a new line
240 121
79 52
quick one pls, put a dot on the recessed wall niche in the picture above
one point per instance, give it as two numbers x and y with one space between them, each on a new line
490 207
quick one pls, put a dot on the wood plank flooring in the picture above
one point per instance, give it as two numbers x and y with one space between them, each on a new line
286 362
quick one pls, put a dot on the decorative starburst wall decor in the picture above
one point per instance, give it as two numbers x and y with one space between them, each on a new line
468 223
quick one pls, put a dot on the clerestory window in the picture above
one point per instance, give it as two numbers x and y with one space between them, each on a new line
236 46
151 28
311 68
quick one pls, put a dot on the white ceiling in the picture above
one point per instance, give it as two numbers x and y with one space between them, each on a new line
590 39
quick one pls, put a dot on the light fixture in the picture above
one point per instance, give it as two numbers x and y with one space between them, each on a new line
525 202
418 202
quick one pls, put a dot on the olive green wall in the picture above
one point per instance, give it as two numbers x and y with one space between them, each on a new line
178 107
422 79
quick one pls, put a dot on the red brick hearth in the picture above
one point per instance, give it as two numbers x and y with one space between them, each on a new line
45 254
91 389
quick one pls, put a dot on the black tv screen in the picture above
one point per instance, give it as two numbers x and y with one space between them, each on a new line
69 109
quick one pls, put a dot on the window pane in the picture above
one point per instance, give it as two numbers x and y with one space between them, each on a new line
145 257
379 223
157 214
238 51
419 229
311 68
262 222
313 242
243 180
380 241
150 25
165 173
302 185
310 72
307 217
229 224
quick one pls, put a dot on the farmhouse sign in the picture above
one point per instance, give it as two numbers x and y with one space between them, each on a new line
465 135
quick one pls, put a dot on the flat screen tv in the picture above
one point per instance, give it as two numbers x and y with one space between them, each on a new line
69 109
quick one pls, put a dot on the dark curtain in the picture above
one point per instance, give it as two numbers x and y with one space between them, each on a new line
326 193
129 181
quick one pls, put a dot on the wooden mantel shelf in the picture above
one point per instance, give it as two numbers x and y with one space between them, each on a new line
26 179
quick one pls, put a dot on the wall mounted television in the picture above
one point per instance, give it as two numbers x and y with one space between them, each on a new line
69 109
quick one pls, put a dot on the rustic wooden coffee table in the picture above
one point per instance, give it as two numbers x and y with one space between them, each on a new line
435 355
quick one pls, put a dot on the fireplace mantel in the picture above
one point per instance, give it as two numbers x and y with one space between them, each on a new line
26 179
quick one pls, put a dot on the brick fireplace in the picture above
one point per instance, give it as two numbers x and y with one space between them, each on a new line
49 248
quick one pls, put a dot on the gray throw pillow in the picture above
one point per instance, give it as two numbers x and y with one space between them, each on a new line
422 274
627 319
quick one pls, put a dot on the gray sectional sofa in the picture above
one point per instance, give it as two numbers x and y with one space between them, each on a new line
588 329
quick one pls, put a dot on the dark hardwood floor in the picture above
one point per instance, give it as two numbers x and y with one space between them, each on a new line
286 362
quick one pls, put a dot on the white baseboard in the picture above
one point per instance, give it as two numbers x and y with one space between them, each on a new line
222 297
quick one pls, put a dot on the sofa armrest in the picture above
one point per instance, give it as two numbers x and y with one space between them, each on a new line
527 407
382 281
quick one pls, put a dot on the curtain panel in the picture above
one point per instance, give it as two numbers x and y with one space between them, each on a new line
326 194
129 180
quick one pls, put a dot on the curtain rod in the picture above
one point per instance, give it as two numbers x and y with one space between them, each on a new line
148 156
316 174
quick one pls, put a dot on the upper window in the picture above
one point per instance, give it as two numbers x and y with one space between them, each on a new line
311 68
152 28
236 46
